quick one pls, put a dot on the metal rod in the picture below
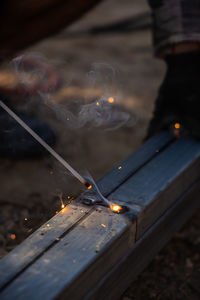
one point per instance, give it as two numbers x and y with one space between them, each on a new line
44 144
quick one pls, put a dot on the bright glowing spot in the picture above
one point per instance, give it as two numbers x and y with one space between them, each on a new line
89 187
116 208
97 103
111 100
177 125
61 201
25 219
56 212
67 119
48 225
13 236
120 167
103 225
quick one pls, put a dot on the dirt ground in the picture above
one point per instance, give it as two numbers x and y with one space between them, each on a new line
92 68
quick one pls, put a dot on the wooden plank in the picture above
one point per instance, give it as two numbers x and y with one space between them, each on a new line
38 242
134 162
73 264
158 184
131 265
23 255
78 260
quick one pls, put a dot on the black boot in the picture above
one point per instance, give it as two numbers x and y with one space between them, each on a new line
16 142
178 102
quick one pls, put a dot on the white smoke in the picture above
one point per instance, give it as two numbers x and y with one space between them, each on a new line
78 113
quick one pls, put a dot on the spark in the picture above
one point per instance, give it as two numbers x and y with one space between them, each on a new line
116 208
62 203
111 100
103 225
25 219
120 167
177 125
89 187
13 236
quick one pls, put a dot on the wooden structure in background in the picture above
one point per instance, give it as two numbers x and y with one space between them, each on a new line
91 253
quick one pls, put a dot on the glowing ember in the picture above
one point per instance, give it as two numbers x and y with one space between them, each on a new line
177 125
25 219
61 201
13 236
111 100
89 187
103 225
116 208
120 167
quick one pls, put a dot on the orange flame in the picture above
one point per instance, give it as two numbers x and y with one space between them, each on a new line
177 125
13 236
111 100
61 200
89 187
116 208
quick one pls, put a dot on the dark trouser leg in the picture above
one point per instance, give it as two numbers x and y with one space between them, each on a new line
176 32
175 21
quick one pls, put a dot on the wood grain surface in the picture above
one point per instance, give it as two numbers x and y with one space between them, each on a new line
158 184
42 239
90 252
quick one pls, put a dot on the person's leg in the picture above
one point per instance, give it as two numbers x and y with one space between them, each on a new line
176 36
175 22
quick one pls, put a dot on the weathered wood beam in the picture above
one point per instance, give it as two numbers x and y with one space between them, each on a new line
133 263
87 253
158 184
48 234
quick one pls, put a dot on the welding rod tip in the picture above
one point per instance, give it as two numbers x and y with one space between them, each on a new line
88 185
